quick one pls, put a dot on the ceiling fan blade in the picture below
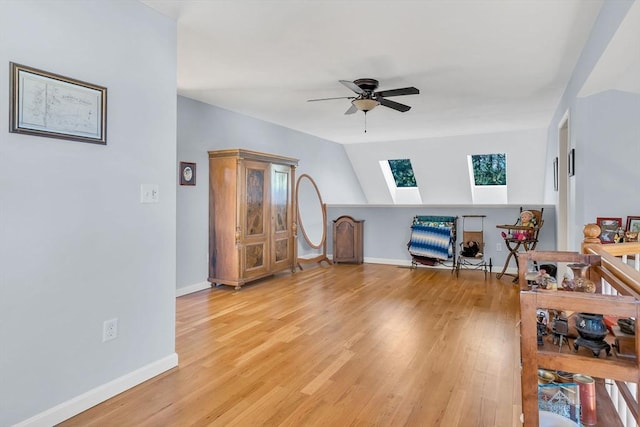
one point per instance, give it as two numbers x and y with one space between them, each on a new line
395 105
328 99
351 110
351 85
397 92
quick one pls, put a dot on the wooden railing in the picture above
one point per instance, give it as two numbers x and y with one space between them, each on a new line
614 269
619 275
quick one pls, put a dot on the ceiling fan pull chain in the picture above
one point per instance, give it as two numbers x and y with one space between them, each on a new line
365 122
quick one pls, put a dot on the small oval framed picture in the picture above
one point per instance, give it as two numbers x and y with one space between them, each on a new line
187 173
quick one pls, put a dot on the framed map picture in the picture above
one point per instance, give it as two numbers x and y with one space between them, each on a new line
47 104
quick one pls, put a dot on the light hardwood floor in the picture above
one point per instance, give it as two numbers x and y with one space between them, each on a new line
344 345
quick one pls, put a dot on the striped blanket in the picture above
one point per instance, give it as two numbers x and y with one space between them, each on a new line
431 241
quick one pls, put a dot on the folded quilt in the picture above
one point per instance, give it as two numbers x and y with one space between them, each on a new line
431 242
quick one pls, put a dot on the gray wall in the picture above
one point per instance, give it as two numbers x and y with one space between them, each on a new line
202 128
76 245
607 126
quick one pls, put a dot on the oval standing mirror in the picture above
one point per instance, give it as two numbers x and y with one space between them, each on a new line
312 219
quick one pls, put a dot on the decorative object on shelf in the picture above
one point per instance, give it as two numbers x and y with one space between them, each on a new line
608 228
627 325
545 377
564 376
633 224
51 105
592 330
630 236
561 399
542 317
587 392
187 173
567 284
624 342
545 280
560 330
581 283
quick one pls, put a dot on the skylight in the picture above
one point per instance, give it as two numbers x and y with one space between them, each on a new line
401 182
402 172
488 178
489 169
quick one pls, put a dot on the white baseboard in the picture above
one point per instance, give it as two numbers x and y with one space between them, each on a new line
388 261
192 288
402 263
68 409
407 263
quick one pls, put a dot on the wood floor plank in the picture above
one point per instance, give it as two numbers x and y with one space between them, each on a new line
344 345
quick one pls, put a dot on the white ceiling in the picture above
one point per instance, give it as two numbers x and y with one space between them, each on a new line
480 65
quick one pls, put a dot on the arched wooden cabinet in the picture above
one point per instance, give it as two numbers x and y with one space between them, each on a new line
348 240
251 216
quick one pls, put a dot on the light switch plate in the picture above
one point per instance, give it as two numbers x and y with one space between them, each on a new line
149 193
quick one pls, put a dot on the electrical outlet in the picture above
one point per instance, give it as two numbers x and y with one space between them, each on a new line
498 247
109 330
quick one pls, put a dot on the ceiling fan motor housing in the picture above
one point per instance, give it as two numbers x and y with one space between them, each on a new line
368 85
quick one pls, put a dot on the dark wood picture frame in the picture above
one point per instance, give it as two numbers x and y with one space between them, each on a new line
187 173
572 162
608 227
633 223
54 106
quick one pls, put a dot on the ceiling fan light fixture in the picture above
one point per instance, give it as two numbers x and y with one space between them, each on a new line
365 104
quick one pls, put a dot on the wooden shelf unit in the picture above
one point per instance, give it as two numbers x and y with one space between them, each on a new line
583 362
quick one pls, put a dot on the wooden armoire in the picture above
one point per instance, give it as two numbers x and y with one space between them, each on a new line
251 216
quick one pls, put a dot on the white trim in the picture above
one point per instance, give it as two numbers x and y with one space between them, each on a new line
407 263
192 288
81 403
404 263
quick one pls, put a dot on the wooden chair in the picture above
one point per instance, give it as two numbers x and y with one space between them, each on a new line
518 237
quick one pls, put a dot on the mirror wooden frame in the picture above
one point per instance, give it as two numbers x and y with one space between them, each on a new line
323 241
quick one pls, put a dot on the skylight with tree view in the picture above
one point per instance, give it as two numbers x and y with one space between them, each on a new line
402 173
489 169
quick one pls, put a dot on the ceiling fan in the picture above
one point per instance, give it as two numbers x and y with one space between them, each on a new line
368 98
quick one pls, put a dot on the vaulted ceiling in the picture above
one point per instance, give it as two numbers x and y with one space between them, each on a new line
480 65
